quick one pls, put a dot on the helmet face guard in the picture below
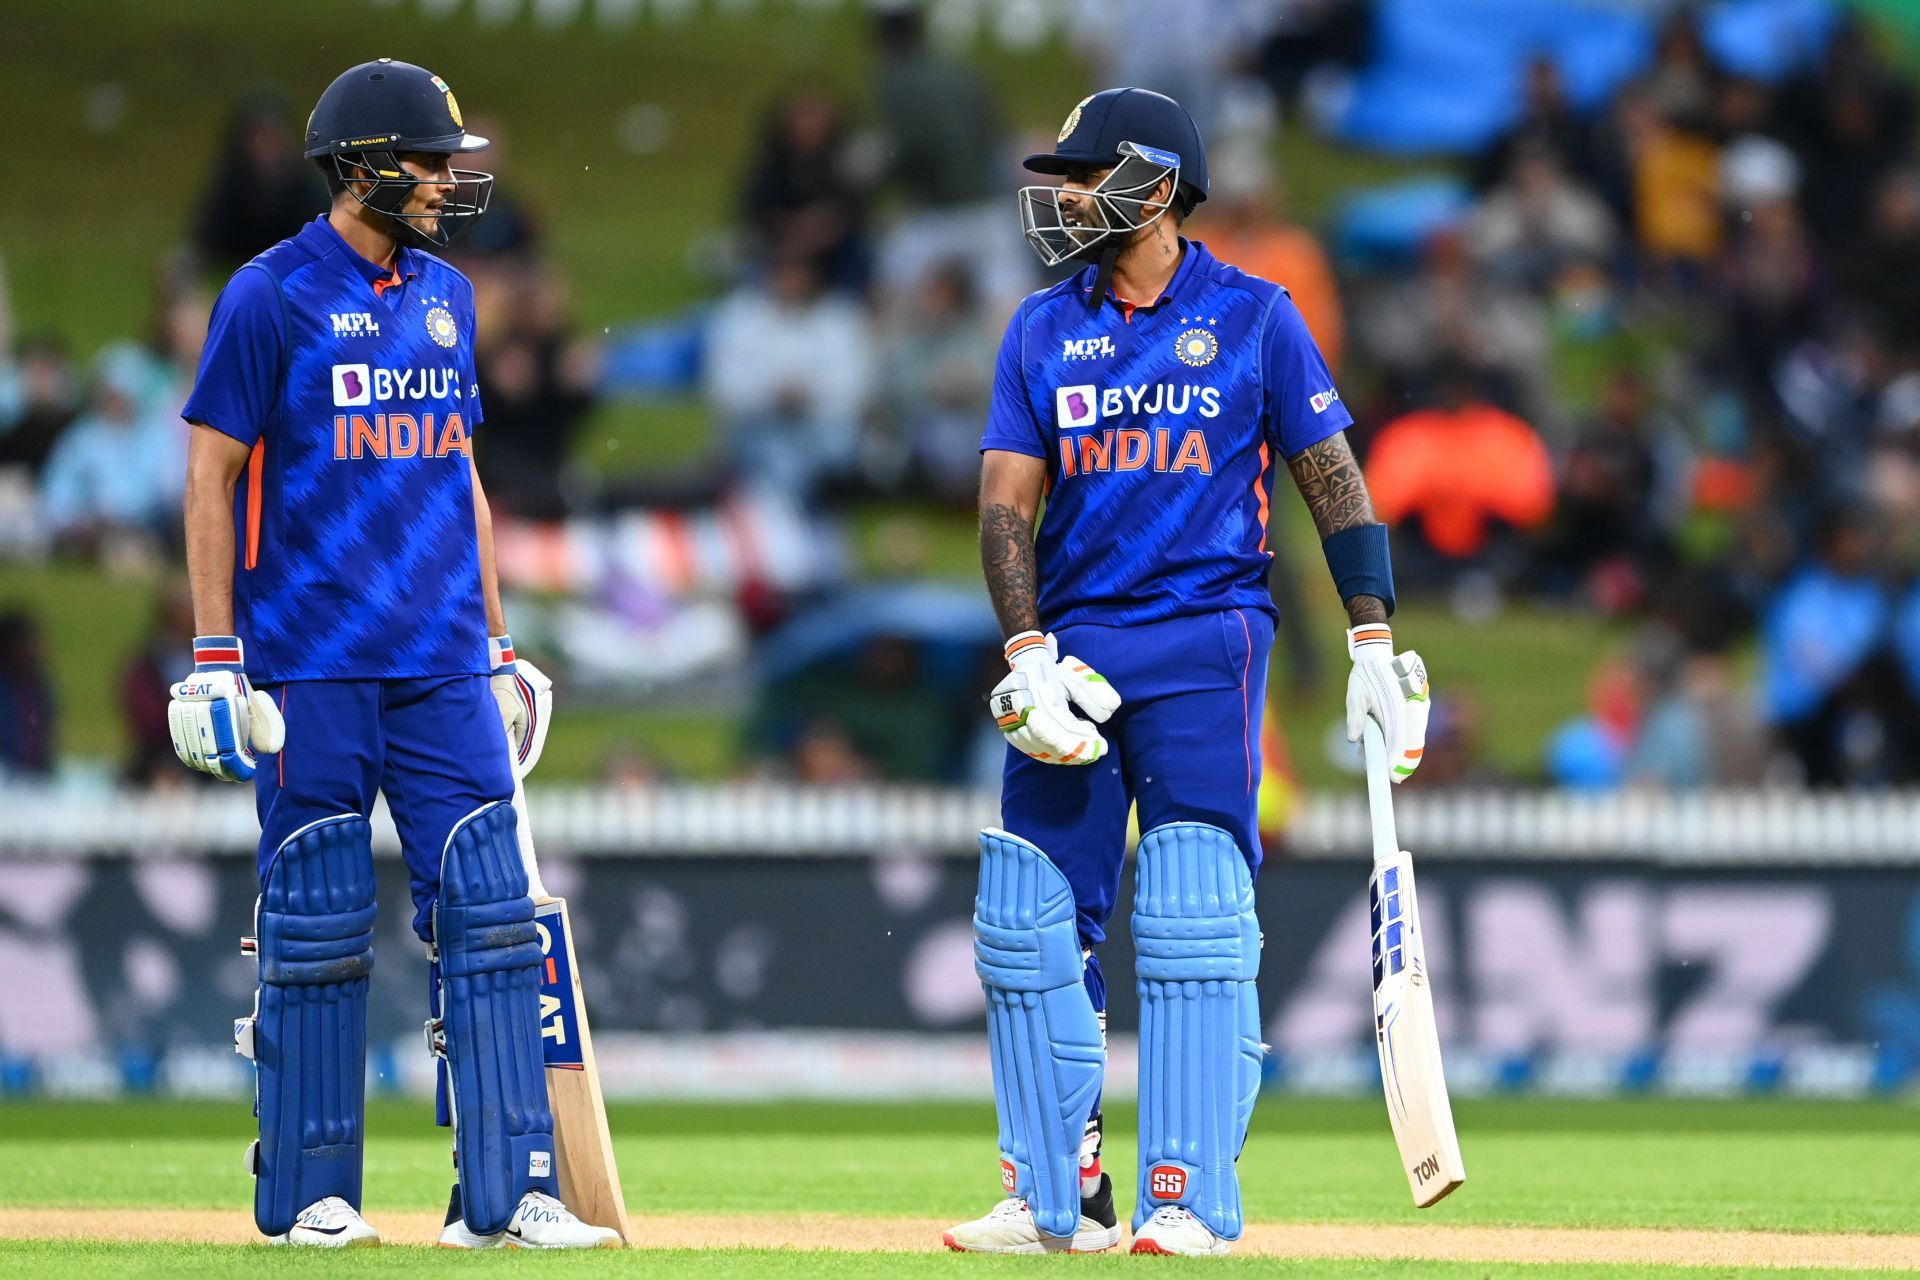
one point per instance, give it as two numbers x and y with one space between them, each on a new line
389 186
1117 207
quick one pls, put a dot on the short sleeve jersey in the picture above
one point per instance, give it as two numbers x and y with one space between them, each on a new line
356 553
1161 427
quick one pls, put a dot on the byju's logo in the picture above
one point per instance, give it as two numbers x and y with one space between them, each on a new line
1077 406
1086 348
354 324
1324 400
351 385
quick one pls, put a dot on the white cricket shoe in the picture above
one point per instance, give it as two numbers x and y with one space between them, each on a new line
1173 1230
541 1222
329 1224
1010 1228
454 1235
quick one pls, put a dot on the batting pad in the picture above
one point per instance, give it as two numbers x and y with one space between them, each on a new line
489 956
1045 1038
308 1035
1197 952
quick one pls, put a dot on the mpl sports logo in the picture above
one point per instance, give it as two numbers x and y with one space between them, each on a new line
1086 348
354 324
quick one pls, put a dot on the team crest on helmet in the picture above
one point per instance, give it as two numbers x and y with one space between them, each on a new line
1197 347
1073 119
440 327
453 108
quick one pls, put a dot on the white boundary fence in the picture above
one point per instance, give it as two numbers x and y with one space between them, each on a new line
763 820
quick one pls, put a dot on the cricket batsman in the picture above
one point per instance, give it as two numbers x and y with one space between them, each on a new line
341 557
1146 398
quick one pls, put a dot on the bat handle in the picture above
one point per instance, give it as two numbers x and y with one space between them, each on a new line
1386 841
524 825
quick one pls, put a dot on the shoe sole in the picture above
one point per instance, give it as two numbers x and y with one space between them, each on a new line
1148 1245
615 1243
1083 1242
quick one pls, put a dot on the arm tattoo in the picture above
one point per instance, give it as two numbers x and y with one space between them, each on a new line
1006 553
1336 493
1329 479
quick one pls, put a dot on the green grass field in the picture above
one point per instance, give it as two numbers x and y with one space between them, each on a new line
1746 1166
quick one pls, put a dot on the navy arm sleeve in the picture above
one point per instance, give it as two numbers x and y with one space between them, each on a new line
241 370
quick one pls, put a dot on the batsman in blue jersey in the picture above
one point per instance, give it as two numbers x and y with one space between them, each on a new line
341 558
1147 399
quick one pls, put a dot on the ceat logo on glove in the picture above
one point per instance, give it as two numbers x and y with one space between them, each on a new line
1167 1182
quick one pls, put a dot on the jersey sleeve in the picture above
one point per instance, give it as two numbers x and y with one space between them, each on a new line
1302 405
240 373
1010 421
473 410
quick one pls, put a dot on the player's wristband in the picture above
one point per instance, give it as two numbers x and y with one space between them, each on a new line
1025 642
218 653
500 654
1360 563
1369 633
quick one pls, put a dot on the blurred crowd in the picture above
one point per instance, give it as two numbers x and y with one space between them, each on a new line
1656 361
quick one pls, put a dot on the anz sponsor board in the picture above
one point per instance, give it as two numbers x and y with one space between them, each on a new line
1593 979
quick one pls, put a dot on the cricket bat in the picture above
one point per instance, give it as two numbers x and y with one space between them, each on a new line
589 1178
1404 1028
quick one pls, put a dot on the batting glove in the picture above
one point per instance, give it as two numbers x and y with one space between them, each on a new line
525 696
1391 689
1034 706
220 723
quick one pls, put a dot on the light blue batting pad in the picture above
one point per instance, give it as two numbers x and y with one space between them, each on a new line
489 956
1045 1038
1197 952
309 1034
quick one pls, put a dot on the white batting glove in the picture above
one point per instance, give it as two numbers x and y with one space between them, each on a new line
220 723
1393 690
525 696
1034 706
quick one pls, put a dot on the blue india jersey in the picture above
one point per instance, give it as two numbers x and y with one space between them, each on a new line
356 552
1162 427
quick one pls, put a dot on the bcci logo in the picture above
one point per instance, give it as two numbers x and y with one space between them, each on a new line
1073 119
440 327
1197 347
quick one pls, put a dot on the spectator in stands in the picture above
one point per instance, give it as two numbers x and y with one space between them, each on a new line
806 189
1881 269
1772 282
1463 482
1665 178
943 153
536 383
510 229
789 374
143 691
1610 528
1307 36
1246 226
26 698
1823 644
39 396
1850 123
1699 728
937 371
1536 221
261 189
117 472
1548 123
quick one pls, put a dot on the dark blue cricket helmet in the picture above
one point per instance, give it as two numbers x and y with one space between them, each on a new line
375 112
1096 129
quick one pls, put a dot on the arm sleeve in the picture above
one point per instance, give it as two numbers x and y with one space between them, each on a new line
1302 406
1010 421
240 366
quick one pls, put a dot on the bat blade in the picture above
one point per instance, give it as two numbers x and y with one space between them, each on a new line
589 1177
1409 1038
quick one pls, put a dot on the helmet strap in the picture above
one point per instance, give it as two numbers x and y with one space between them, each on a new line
1103 278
